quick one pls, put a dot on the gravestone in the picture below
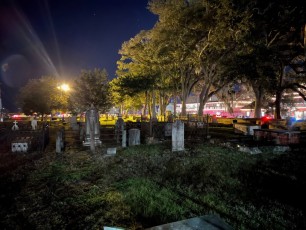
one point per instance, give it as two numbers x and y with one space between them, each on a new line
178 136
73 123
119 126
21 145
134 137
60 143
168 129
111 151
34 123
123 138
15 126
92 128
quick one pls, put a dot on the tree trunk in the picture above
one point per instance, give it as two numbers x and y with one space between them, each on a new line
153 104
146 104
201 108
279 92
258 104
161 104
258 91
203 98
277 112
184 112
184 99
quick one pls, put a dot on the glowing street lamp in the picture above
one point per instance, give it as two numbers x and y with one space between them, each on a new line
64 87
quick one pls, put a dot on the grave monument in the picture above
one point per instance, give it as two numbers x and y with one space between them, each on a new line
92 128
178 136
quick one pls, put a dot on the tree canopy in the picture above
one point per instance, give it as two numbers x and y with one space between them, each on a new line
91 88
41 96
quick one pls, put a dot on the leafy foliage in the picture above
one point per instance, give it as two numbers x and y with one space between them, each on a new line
91 88
42 95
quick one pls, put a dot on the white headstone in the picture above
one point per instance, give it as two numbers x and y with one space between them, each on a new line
111 151
134 137
178 136
34 124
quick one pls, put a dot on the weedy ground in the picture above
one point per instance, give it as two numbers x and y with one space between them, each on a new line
149 185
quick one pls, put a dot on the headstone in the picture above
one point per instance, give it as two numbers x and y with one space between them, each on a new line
178 136
134 137
92 128
73 123
123 138
21 145
15 126
119 126
168 129
111 151
60 141
34 124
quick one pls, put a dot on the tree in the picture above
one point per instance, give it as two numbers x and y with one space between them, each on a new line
196 35
91 88
273 42
41 96
137 70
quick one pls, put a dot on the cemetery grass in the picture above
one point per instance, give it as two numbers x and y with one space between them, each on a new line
145 186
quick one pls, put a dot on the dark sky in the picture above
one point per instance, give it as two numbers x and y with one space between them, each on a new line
61 37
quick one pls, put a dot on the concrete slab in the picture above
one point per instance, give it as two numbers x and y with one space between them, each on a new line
207 222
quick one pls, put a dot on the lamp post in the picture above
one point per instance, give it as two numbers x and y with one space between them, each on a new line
63 88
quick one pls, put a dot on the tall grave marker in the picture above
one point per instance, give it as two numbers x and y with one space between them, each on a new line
178 136
92 128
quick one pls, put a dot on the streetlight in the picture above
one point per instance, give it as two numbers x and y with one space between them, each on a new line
63 88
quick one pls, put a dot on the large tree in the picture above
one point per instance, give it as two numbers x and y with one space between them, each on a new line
195 36
91 88
42 96
273 42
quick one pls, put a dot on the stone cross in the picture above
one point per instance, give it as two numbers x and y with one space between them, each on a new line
15 126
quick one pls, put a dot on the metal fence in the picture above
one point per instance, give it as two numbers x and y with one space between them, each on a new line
36 140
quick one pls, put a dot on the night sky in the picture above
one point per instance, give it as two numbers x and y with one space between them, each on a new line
61 37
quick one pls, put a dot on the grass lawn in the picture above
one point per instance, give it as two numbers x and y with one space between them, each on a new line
145 186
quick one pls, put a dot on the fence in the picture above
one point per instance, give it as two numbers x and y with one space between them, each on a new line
36 140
